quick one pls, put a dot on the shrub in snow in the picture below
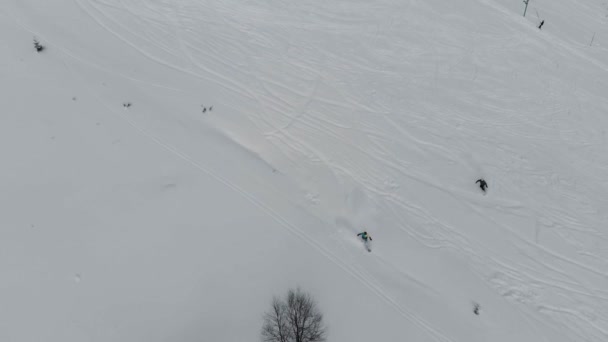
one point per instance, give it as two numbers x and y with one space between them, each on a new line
295 318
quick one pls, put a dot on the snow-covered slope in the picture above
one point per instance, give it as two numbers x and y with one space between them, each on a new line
263 135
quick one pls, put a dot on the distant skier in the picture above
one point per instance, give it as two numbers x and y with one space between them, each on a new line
366 239
541 24
482 184
365 236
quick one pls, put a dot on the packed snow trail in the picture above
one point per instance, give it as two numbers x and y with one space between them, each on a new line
158 221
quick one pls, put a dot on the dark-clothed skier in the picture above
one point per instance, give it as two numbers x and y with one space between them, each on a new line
541 24
365 236
482 184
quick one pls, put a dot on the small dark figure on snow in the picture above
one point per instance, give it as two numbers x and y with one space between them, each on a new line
482 184
37 46
541 24
365 236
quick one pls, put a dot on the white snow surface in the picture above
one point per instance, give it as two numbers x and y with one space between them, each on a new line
161 222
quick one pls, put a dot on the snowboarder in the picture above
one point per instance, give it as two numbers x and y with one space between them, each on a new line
541 24
365 236
482 184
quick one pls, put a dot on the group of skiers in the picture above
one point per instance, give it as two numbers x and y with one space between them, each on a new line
365 236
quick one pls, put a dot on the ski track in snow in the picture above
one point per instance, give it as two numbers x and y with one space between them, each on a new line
303 113
356 272
292 114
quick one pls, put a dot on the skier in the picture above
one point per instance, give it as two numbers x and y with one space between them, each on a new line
482 184
365 236
541 24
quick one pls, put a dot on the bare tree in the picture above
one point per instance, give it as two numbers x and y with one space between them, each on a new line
295 319
275 327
